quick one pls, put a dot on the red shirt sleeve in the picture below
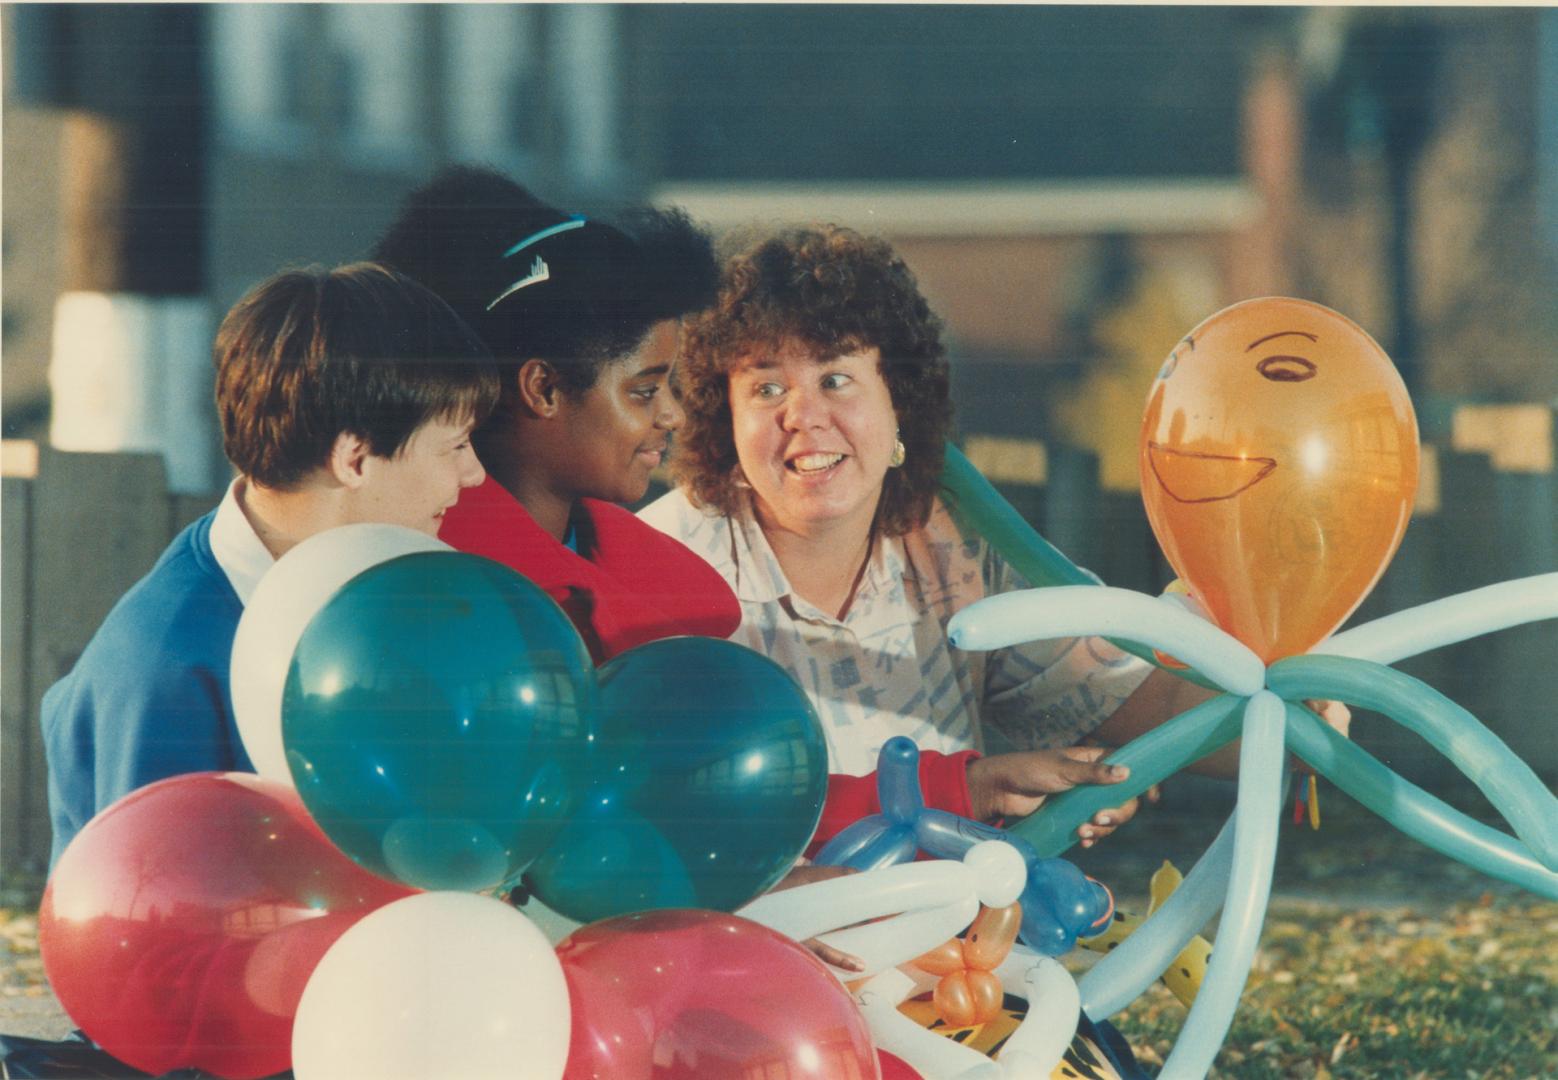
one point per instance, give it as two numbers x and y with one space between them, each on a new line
943 782
636 585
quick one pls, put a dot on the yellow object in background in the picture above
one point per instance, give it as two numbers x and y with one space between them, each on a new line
1184 975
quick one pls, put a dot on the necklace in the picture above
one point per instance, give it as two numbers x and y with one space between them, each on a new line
860 574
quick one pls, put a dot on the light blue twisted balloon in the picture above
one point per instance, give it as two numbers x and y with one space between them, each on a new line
1249 888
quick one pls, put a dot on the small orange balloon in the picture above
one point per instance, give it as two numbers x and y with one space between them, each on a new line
1279 457
944 959
969 991
991 936
966 998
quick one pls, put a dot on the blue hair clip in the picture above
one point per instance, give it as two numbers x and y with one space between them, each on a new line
575 221
539 271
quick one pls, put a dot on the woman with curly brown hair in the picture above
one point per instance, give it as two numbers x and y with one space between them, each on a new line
816 392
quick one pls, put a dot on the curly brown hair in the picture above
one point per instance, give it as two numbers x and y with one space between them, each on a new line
833 291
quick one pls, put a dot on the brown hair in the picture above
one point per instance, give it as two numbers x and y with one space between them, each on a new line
834 291
309 354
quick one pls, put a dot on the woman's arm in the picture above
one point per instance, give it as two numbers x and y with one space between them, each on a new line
1165 695
983 789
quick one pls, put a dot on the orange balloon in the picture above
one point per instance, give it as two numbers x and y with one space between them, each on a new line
1279 457
991 936
969 991
966 998
944 959
954 999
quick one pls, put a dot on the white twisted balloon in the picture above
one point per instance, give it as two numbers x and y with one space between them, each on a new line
930 902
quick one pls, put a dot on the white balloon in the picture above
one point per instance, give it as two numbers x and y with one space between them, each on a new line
1079 610
889 942
1000 874
1449 620
808 910
438 984
1123 974
1054 1003
1257 812
285 601
933 1056
906 910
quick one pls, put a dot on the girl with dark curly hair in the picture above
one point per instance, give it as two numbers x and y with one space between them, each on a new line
817 403
582 317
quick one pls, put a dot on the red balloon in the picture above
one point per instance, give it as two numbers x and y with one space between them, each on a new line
182 923
694 995
895 1068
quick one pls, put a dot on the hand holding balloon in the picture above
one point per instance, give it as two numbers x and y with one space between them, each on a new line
1014 785
1279 464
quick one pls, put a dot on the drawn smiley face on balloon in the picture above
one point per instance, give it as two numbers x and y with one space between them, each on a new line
1279 459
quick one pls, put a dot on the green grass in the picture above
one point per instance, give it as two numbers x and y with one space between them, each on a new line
1379 957
1471 991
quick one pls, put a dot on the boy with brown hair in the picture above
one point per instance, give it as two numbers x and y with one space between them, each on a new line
345 396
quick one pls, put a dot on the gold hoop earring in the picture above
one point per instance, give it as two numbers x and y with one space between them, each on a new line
899 453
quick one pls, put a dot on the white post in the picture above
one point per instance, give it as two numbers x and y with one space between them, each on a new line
133 373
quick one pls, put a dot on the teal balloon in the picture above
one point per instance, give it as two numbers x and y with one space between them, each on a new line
437 717
1510 784
1417 813
982 510
976 503
1152 758
710 774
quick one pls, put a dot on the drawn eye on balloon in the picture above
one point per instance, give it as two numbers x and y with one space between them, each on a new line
1283 368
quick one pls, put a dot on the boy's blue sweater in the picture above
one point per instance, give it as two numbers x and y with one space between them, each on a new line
149 697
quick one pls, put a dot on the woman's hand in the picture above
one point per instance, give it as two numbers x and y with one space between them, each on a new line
806 875
1338 715
1334 713
1015 784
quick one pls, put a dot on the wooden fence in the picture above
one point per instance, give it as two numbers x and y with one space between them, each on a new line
79 529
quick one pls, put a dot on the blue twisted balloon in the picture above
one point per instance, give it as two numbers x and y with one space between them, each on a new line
1059 902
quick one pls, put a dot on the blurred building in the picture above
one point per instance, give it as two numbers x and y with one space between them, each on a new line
1075 186
161 159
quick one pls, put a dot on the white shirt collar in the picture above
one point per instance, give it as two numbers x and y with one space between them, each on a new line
238 549
761 579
